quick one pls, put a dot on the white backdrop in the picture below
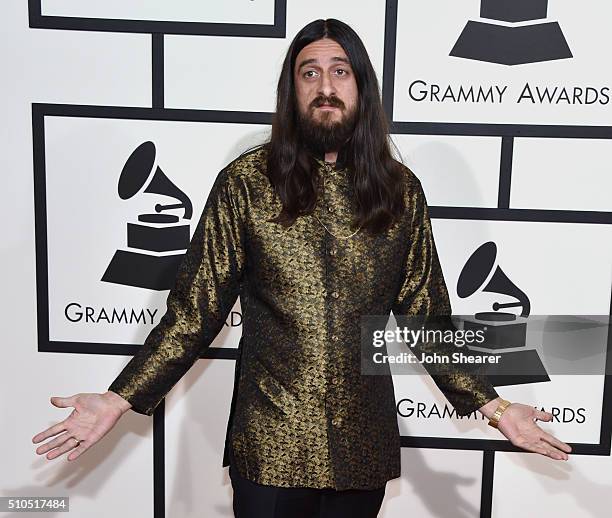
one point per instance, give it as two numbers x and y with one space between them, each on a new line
80 84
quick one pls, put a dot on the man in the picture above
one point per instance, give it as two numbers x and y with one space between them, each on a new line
313 230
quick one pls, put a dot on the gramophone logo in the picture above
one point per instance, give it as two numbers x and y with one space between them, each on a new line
515 42
157 242
505 332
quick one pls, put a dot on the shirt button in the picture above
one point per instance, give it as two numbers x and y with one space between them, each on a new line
334 338
332 251
335 294
336 421
330 209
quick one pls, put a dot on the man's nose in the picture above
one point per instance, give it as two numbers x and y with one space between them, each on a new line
326 86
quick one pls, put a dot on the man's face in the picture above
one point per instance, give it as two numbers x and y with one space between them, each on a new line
326 93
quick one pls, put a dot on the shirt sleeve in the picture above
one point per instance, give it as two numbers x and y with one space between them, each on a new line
206 287
423 291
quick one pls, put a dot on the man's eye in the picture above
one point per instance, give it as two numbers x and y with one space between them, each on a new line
340 71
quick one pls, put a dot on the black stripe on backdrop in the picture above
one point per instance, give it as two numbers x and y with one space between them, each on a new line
505 172
157 70
159 460
159 414
486 489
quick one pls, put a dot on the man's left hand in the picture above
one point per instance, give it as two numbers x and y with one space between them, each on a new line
518 424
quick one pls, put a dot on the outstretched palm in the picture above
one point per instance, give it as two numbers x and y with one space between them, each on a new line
93 416
518 424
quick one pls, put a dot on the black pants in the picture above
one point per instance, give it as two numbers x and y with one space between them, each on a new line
252 500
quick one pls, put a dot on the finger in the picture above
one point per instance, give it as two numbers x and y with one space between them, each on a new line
77 451
67 445
58 441
52 430
541 448
63 402
550 451
553 452
532 444
540 415
551 439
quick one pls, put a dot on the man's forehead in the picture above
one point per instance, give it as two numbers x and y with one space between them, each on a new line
316 61
321 50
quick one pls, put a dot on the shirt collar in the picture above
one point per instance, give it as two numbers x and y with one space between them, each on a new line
341 159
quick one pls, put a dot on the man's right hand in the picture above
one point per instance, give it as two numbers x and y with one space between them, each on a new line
92 418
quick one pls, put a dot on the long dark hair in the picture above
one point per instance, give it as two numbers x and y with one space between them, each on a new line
291 168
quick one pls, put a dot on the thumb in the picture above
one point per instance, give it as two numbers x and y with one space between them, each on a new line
62 402
543 416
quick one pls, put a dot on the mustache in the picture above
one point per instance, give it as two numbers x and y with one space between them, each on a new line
332 101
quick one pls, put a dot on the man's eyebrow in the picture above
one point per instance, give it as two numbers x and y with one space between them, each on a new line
314 60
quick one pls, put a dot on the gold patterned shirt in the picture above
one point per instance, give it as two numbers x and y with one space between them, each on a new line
302 414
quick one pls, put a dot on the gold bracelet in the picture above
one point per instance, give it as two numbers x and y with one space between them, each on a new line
494 420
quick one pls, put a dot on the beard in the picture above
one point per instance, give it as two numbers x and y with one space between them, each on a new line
322 133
